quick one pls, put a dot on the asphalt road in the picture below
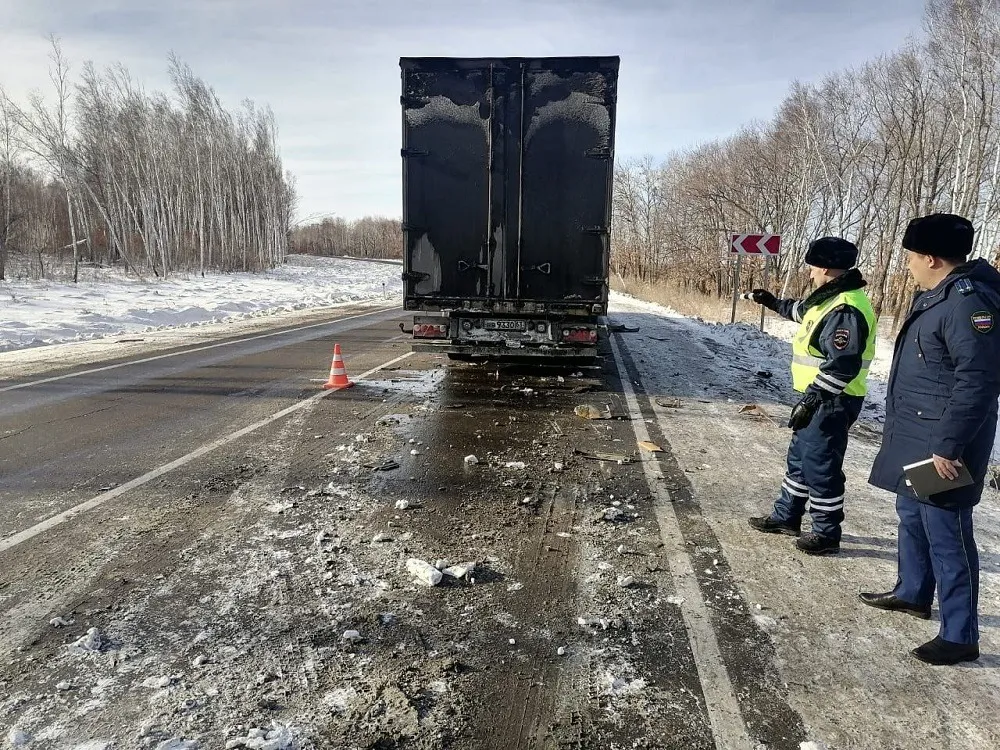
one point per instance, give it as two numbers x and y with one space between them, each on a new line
222 525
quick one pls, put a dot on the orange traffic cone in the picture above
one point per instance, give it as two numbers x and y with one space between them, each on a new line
338 375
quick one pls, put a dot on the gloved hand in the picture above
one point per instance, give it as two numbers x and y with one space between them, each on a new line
803 412
763 297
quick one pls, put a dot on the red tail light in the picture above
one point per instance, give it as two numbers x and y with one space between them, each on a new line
580 335
430 330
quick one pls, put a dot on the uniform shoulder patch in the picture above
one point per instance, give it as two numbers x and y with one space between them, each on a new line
965 287
841 338
982 321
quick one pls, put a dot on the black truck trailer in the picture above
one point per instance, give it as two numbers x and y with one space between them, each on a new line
507 187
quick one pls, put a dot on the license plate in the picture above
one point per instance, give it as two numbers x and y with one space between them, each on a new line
505 325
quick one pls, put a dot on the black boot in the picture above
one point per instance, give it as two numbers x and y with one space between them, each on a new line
940 652
770 526
814 544
889 601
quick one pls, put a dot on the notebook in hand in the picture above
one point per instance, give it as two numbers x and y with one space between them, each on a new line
925 481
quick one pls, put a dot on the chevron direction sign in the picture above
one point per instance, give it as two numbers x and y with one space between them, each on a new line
755 244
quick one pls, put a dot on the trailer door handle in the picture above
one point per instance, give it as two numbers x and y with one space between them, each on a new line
465 266
541 268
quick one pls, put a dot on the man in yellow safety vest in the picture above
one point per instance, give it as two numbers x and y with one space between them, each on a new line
831 353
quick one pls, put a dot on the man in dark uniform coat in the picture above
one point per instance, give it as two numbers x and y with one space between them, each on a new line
941 404
831 353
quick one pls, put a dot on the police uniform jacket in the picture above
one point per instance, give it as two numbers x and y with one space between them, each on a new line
841 336
944 384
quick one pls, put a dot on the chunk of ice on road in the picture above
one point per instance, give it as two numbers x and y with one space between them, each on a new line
157 682
340 700
58 622
676 600
471 460
277 738
351 636
402 504
64 686
625 581
459 571
179 744
17 738
767 623
519 465
621 686
424 572
90 643
813 745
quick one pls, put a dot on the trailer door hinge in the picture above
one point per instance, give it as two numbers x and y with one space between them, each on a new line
406 152
598 153
593 281
595 230
465 266
414 276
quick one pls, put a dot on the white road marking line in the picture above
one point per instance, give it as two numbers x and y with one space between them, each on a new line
189 351
728 728
94 502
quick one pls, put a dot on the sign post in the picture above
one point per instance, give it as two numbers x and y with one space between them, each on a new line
736 283
765 246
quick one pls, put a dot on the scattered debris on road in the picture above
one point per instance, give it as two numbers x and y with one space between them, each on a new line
424 572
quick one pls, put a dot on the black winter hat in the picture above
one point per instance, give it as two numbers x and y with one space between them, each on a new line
832 252
940 235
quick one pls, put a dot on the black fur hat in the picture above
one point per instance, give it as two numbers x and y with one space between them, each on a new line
940 235
832 252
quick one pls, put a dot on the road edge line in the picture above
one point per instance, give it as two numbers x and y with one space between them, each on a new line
729 730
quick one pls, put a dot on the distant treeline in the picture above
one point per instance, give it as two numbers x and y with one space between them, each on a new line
107 172
370 237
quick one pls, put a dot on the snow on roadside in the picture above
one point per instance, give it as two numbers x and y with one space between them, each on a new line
748 350
107 303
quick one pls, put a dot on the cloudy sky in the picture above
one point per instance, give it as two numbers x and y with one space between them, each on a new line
691 70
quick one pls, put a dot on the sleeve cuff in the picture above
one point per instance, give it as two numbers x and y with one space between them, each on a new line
949 449
830 384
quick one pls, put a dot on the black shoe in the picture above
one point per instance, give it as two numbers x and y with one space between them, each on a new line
940 652
814 544
893 603
770 526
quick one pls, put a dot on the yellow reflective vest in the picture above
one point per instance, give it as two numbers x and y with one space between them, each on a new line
806 359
